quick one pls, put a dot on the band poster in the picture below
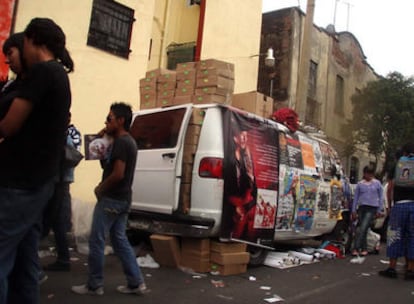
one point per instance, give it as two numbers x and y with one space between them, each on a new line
251 176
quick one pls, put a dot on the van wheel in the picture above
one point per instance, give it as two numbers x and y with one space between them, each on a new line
257 255
342 235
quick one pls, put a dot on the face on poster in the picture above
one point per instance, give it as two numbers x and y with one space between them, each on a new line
250 178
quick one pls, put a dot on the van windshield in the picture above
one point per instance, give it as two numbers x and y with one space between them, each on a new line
157 130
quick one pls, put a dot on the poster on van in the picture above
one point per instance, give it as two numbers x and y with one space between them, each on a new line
251 176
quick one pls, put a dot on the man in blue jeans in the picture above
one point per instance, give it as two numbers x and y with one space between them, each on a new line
114 196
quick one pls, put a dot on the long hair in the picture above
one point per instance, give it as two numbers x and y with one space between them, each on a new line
44 31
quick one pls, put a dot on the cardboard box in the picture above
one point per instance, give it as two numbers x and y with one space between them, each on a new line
148 81
191 139
198 264
192 129
166 93
166 250
171 76
212 90
185 197
148 100
210 98
253 102
196 246
216 81
185 66
185 83
197 118
148 88
184 90
214 63
227 247
187 173
182 99
202 73
156 72
164 101
186 75
162 86
230 258
229 269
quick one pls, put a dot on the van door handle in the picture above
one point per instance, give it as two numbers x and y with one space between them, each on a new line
169 155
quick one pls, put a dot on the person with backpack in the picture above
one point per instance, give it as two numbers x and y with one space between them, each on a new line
400 233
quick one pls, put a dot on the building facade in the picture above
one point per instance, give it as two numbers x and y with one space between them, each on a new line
114 44
337 70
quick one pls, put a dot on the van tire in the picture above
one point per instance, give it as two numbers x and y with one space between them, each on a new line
342 234
257 255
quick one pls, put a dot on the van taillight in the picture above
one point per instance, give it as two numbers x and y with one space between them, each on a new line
211 167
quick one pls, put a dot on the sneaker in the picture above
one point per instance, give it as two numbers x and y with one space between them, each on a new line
389 273
58 266
140 290
85 290
42 277
409 275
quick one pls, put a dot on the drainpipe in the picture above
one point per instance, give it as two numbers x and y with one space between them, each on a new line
200 30
164 26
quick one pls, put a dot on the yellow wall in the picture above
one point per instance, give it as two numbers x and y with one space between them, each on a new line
100 78
231 33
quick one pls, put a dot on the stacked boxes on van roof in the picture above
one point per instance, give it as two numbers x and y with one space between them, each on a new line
202 82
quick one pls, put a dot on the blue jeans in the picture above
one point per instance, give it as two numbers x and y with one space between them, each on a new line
110 217
20 223
366 215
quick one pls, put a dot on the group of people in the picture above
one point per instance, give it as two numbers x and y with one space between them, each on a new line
34 186
368 205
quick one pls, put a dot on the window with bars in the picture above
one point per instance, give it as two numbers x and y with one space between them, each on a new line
110 27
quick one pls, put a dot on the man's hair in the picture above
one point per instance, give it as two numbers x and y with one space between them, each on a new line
44 31
121 109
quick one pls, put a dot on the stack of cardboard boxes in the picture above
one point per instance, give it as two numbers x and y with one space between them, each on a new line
206 81
215 82
195 254
200 254
229 258
186 76
190 147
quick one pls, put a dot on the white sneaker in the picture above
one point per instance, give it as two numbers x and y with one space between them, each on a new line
84 290
140 290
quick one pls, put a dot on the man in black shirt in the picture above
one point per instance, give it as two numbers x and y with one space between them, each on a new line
110 215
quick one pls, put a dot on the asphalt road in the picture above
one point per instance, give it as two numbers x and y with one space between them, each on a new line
327 281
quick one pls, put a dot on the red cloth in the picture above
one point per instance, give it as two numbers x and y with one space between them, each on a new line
288 117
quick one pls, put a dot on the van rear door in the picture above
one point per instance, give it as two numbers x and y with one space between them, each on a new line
159 134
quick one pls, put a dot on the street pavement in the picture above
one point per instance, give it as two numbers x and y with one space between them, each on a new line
327 281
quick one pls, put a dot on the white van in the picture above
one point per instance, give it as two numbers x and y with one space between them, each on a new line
212 170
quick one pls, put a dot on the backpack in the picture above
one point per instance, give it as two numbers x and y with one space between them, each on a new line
404 172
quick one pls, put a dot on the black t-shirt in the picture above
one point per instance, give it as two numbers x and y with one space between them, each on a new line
125 149
32 156
400 193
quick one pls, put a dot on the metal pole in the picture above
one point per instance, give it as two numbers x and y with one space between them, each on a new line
271 88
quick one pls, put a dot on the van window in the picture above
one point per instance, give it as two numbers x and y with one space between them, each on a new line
157 130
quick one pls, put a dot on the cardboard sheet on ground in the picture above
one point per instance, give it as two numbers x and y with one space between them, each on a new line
283 260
